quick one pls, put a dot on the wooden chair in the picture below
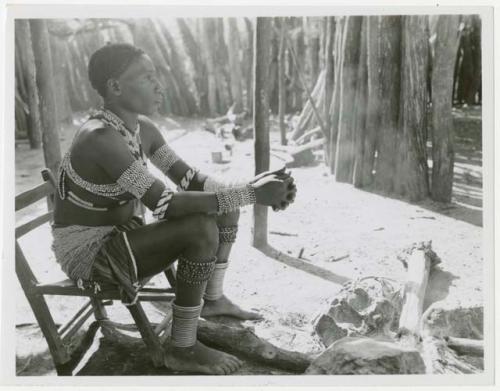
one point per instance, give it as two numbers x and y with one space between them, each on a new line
59 338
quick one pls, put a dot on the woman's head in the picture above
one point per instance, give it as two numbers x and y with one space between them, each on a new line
124 74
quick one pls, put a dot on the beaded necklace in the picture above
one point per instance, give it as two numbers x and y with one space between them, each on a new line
132 138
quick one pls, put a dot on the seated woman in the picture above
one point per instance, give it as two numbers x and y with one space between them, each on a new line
98 236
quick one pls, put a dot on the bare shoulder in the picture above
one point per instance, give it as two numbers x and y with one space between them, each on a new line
150 135
97 140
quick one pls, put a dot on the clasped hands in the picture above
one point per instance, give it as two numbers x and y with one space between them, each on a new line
274 188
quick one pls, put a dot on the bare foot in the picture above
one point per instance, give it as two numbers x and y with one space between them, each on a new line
200 359
224 306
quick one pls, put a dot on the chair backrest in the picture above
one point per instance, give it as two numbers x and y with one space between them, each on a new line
47 190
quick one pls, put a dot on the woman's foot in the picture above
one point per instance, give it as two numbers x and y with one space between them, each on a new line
224 306
200 358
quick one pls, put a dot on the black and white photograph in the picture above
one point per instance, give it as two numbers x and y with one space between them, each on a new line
246 193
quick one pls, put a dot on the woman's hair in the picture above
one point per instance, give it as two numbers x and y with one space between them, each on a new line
110 61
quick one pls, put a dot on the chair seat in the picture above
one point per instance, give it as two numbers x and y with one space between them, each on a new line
68 287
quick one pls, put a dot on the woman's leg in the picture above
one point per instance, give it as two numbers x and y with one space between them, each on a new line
215 302
194 241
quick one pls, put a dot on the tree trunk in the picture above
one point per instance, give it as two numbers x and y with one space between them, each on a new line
25 47
43 63
308 117
273 71
221 59
281 83
313 49
373 105
235 66
419 265
177 67
335 102
475 97
344 159
249 65
412 172
144 39
209 50
199 68
261 121
170 67
238 340
83 52
299 49
389 94
63 110
360 107
75 96
443 154
329 82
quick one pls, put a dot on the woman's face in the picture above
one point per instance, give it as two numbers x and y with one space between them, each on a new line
140 90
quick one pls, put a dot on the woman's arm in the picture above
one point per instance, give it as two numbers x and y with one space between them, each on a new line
168 161
188 178
113 156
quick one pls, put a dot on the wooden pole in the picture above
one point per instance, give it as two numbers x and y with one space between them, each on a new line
281 83
329 80
221 60
249 54
411 179
443 154
419 268
43 63
361 98
389 42
336 95
261 121
273 72
313 48
35 125
176 66
63 110
344 157
235 66
373 103
208 35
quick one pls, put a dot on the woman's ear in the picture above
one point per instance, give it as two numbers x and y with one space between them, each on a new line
114 86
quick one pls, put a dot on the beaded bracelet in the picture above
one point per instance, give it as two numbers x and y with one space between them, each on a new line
229 200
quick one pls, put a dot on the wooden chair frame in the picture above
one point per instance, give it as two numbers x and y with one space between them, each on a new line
59 338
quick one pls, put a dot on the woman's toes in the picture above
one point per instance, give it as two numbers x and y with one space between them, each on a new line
219 370
232 365
227 368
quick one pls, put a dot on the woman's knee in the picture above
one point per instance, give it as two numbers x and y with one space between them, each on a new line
203 231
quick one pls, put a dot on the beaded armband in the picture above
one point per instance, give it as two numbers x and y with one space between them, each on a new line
187 178
136 179
229 200
162 204
164 158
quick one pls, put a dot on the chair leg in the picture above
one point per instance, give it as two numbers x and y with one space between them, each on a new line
99 310
58 350
148 335
170 273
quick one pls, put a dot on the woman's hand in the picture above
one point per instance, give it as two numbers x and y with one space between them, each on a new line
290 197
279 172
272 190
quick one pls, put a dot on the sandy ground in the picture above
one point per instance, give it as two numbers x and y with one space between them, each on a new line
328 221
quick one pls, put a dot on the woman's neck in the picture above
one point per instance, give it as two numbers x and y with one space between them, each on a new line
130 119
